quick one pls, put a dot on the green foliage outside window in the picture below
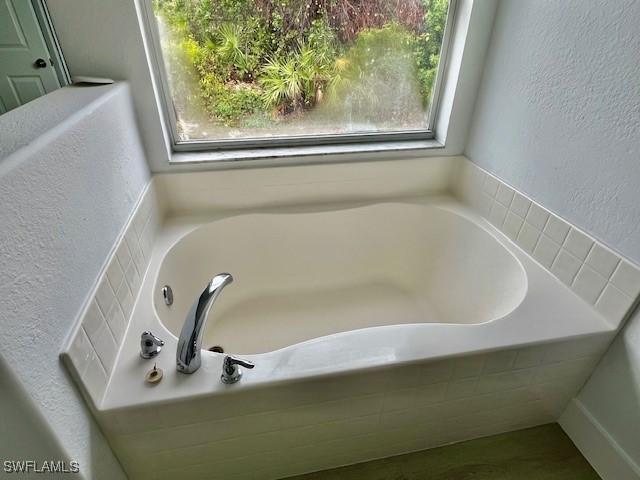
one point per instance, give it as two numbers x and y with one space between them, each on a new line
259 62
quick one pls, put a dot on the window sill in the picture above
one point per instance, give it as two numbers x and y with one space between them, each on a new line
307 154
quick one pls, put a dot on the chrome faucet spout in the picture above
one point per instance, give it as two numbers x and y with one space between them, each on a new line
190 342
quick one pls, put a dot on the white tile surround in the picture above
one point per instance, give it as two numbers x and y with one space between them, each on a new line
93 345
326 422
598 275
320 423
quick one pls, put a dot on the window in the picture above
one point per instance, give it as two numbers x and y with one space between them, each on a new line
255 73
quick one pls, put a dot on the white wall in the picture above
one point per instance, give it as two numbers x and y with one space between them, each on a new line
66 195
103 39
24 432
613 392
558 117
558 113
604 420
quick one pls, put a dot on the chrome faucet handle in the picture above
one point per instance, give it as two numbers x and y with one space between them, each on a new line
231 372
150 345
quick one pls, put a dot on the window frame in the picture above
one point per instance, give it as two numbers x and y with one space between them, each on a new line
158 68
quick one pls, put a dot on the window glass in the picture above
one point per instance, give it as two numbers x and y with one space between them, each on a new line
259 69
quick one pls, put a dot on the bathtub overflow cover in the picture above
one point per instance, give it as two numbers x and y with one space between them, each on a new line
167 294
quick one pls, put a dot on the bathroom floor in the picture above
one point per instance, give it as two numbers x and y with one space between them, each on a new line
540 453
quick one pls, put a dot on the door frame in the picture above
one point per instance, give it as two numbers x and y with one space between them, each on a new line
51 40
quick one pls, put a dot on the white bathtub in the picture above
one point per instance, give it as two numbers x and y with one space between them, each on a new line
302 276
386 328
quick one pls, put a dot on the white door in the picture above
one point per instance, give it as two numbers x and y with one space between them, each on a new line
26 70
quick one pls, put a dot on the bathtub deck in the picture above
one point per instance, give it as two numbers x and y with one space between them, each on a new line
540 453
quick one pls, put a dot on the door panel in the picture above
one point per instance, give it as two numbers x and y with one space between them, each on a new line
21 44
26 89
11 34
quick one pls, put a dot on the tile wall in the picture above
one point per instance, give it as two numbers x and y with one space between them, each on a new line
322 423
93 346
598 275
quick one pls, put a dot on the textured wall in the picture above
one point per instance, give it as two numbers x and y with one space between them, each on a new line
24 433
65 197
558 117
558 113
103 39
